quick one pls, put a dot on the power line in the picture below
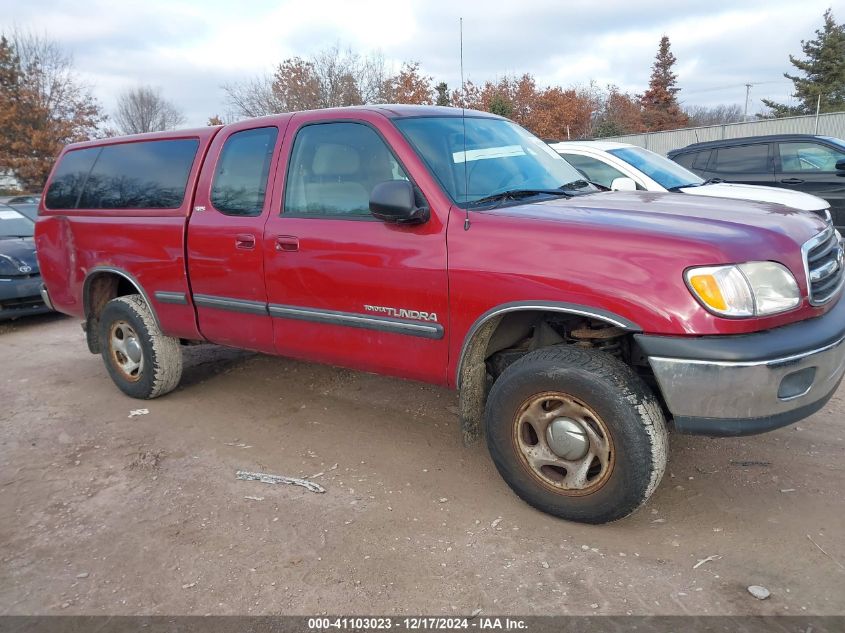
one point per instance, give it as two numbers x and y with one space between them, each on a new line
717 88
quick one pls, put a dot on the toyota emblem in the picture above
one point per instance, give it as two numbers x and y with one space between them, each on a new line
25 269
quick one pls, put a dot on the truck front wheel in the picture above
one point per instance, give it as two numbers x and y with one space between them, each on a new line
576 433
141 360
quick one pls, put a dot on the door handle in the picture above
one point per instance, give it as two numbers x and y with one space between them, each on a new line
792 181
287 243
245 241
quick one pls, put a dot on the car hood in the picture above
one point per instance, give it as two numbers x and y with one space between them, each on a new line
694 218
17 254
794 199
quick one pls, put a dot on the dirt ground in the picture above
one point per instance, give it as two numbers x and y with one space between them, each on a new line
103 513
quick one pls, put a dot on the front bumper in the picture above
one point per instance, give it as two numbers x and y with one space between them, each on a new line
751 383
21 297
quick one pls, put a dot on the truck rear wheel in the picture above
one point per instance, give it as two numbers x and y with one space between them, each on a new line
576 433
142 362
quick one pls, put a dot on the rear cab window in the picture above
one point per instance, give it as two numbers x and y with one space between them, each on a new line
137 175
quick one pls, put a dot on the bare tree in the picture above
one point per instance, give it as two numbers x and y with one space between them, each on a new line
333 77
252 98
144 109
714 115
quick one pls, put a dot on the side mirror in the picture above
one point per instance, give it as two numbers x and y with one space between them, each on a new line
395 201
623 184
840 165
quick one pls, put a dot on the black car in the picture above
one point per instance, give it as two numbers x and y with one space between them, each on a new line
20 280
804 162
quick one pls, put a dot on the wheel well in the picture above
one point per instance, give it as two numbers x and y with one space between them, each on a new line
504 338
100 288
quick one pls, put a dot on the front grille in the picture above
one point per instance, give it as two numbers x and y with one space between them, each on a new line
823 261
19 276
23 303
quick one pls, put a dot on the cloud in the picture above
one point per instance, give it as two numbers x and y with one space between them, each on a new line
190 48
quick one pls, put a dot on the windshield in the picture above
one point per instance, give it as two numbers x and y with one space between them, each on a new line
499 156
13 224
835 141
666 173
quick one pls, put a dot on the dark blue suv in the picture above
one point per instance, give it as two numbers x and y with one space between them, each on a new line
804 162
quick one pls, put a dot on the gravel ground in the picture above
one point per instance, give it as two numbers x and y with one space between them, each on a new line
103 513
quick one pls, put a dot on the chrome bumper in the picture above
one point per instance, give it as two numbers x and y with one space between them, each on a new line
738 397
45 296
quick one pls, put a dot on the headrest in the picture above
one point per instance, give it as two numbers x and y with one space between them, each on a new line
335 160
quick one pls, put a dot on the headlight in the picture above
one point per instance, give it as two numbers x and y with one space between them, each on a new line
744 290
827 217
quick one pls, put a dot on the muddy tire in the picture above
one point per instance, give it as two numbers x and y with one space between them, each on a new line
142 362
576 433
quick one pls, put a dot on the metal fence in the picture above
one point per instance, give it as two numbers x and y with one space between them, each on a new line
832 124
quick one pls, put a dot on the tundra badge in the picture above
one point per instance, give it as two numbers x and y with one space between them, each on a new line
402 313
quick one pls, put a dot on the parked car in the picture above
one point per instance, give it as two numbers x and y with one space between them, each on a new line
797 162
26 198
571 321
621 166
20 281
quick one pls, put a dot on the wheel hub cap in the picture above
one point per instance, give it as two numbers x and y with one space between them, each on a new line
126 352
567 439
133 349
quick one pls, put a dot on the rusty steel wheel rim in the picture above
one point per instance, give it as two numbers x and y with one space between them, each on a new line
563 444
125 350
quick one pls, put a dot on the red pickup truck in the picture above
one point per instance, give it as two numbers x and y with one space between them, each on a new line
461 251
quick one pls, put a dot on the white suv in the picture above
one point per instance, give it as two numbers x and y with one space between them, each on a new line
620 166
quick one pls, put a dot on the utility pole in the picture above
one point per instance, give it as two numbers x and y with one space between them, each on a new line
747 94
818 107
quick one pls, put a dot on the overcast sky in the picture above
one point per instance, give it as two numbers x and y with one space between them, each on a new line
189 48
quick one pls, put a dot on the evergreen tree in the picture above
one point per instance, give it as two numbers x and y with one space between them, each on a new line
823 72
501 106
442 94
660 103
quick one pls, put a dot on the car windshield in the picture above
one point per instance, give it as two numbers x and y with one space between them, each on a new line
838 142
13 224
668 174
498 156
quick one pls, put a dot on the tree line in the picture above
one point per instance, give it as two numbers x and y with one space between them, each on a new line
44 105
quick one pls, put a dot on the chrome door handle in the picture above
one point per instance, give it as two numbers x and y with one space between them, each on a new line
287 243
245 241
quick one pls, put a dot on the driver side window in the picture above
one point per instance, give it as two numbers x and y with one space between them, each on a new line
334 167
808 157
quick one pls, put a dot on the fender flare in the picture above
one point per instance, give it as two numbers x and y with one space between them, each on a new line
471 388
122 273
539 306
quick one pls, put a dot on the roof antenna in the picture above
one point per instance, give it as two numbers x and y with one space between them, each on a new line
464 124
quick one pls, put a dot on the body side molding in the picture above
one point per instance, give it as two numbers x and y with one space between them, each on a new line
233 305
178 298
408 327
352 319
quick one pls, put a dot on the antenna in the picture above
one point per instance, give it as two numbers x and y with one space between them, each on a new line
464 124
